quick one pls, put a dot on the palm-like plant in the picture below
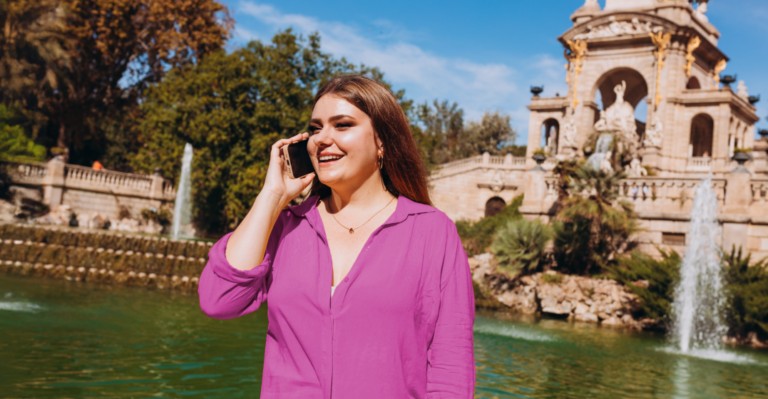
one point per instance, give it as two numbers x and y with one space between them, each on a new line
520 246
592 226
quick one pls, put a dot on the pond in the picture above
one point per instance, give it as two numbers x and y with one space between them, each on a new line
67 340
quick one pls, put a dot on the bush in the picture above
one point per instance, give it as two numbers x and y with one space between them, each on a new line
477 236
747 289
652 280
592 227
520 246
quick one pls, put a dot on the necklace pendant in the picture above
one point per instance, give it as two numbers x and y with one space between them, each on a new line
351 231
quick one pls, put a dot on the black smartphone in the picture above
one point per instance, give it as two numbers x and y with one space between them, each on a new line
297 159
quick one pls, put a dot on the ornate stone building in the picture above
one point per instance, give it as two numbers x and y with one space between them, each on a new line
647 94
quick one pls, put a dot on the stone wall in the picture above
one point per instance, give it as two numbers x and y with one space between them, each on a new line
97 256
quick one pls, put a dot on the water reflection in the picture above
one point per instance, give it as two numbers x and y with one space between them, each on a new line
105 342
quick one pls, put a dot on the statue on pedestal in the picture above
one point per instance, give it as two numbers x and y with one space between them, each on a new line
653 133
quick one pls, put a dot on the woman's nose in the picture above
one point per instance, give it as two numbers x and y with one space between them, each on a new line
322 137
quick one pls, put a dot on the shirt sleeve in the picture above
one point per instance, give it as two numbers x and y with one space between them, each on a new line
451 364
226 292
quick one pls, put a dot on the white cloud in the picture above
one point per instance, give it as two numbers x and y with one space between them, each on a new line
477 87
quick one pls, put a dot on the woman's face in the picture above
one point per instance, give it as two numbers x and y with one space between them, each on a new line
342 144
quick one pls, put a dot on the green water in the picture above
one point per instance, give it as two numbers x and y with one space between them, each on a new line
68 340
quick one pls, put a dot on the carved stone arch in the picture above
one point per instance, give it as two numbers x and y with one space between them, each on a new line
693 83
550 128
494 205
637 86
702 135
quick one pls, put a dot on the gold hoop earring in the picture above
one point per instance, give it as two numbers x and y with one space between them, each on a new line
380 162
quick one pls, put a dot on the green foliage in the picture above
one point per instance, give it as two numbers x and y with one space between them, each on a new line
15 145
489 135
477 236
552 278
592 227
652 280
443 137
520 246
747 289
231 108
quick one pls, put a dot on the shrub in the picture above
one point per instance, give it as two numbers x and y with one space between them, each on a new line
477 236
652 280
747 289
520 246
592 227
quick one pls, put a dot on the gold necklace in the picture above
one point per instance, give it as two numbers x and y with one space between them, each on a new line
352 229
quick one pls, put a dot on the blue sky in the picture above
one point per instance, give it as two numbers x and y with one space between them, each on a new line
483 55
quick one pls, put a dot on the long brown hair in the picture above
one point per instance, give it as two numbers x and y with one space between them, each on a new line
403 170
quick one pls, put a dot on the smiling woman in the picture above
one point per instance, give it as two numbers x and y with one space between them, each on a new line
369 288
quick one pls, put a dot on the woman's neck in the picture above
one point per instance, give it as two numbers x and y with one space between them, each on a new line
370 194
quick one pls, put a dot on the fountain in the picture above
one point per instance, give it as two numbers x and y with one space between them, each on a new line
699 297
602 151
182 212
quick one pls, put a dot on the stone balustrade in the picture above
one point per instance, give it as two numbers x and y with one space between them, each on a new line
666 189
85 190
82 176
699 164
487 161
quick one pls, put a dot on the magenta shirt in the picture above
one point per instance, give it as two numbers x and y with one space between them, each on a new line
398 326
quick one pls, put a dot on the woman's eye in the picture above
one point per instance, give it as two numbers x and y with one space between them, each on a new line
313 129
343 125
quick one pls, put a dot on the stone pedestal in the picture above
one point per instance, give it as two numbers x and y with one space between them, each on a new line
535 191
738 192
651 157
53 183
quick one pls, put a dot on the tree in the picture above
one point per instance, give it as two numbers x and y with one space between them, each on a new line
118 48
14 143
489 135
592 226
231 108
35 55
442 131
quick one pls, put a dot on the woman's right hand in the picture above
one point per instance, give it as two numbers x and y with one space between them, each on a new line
278 181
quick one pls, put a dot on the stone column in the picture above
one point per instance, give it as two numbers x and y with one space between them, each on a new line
53 183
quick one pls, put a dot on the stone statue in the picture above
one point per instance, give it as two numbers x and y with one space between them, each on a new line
605 165
619 118
741 89
569 133
653 133
635 169
551 146
620 115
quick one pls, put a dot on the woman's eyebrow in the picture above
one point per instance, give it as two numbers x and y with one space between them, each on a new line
332 119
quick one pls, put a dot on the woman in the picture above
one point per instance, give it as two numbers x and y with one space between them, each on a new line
369 289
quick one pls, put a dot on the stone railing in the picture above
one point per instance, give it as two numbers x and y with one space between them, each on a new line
507 162
699 164
30 173
84 189
82 176
667 190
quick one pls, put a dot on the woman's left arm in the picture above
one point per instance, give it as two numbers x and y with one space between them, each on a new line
451 364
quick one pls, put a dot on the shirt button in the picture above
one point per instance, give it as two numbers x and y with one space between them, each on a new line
346 278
